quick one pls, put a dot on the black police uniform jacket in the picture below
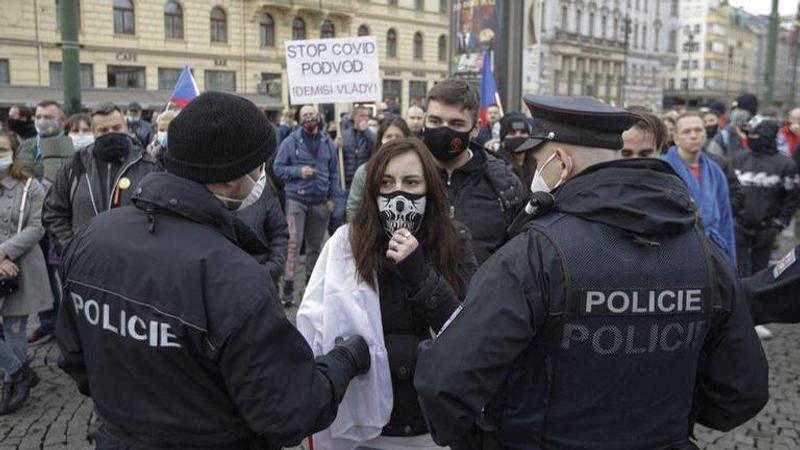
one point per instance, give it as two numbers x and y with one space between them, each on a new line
610 323
179 337
484 195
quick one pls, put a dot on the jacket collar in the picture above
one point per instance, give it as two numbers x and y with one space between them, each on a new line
8 182
184 198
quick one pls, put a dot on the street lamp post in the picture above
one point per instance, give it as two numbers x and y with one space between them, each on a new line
627 31
689 46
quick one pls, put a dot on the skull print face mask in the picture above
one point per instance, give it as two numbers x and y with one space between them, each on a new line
401 210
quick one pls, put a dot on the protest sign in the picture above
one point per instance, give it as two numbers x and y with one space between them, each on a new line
333 70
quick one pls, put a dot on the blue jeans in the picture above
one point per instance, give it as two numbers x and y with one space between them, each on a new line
14 348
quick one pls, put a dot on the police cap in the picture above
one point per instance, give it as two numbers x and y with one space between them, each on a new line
583 121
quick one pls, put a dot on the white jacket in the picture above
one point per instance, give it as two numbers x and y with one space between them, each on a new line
336 303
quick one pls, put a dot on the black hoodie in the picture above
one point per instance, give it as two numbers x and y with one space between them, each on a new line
771 185
511 374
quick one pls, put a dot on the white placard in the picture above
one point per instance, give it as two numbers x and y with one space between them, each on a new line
333 70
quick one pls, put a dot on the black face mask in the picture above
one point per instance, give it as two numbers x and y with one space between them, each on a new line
711 131
445 143
332 134
511 144
22 127
762 144
112 147
401 210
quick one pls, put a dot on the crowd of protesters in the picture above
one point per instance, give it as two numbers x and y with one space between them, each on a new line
396 212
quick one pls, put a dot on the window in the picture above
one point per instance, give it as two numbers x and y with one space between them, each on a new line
392 2
644 37
443 6
657 42
5 77
219 25
637 4
173 21
645 5
126 77
635 36
266 30
392 91
391 43
564 18
697 29
672 83
58 15
167 78
695 64
298 28
578 17
616 28
442 48
418 46
417 90
363 30
541 16
684 64
603 26
673 41
270 85
591 24
419 5
327 30
124 17
56 79
674 8
220 80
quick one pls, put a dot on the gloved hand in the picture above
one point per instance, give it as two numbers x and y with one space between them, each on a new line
356 351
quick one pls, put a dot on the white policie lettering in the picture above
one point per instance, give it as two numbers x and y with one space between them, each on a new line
156 334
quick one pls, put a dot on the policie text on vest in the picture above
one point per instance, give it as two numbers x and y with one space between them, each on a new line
638 335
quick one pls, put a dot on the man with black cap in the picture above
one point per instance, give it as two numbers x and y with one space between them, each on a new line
611 322
514 131
137 126
174 331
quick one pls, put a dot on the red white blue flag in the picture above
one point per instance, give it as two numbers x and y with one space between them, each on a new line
488 85
185 89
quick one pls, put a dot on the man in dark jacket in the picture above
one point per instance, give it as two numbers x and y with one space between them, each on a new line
266 236
173 330
98 178
612 322
772 193
357 143
306 162
482 191
138 127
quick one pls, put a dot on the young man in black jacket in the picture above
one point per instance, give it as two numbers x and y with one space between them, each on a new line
482 191
772 194
172 329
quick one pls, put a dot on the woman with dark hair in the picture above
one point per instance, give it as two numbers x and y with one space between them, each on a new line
21 200
401 264
79 128
391 128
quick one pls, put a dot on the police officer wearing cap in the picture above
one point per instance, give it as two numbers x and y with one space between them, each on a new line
175 332
610 322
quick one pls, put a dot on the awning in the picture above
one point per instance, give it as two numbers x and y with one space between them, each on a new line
155 100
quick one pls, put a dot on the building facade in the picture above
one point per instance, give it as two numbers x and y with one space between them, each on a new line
134 50
615 50
787 71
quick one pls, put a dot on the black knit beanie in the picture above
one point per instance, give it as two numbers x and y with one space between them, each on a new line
218 137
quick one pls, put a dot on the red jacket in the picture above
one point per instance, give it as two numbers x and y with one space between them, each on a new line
791 139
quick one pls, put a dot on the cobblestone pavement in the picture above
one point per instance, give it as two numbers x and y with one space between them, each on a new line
58 417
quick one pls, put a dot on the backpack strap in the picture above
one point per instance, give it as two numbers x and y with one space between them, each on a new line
76 170
25 192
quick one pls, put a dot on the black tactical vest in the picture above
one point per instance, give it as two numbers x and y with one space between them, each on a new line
614 366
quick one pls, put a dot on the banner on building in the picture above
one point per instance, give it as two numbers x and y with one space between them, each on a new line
333 70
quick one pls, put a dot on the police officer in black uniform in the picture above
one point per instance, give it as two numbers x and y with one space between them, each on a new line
174 331
611 322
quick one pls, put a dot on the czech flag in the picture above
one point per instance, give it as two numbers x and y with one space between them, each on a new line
489 94
185 89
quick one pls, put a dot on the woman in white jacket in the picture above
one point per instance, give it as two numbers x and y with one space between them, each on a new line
395 275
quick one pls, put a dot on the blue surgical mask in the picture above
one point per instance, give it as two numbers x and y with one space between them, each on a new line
47 127
5 163
80 141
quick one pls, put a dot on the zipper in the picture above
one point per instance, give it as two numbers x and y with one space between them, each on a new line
119 175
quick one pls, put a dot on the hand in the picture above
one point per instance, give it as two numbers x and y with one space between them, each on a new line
3 255
7 267
402 244
356 350
331 205
492 145
307 172
795 128
338 143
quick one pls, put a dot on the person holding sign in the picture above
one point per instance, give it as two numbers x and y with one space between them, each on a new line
307 164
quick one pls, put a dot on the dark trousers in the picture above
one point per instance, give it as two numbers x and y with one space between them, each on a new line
753 249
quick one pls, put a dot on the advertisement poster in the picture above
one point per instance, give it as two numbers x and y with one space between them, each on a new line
477 25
